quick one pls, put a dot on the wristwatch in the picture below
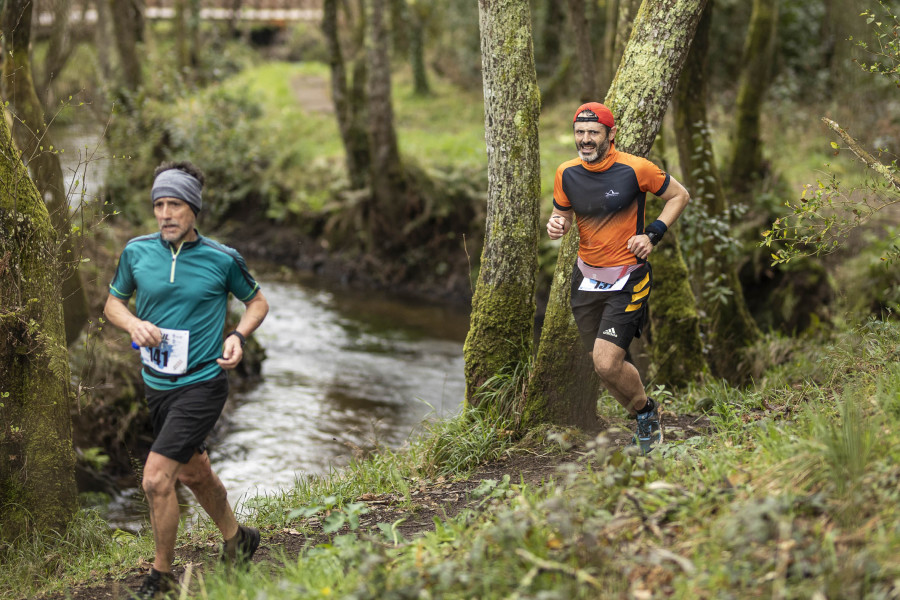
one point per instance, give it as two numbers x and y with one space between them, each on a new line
239 336
654 237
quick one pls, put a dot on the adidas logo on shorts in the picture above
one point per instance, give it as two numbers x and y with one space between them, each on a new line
611 332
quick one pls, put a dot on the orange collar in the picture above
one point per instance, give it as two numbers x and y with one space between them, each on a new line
608 160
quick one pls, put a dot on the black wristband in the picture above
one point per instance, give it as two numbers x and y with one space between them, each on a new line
655 231
239 335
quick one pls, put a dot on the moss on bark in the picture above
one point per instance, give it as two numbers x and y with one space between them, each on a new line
502 321
37 484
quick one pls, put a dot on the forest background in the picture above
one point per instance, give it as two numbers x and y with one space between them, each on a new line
352 144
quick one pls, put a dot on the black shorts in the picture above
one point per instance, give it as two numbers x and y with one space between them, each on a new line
184 416
616 317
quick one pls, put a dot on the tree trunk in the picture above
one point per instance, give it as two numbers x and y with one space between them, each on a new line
182 39
59 47
103 33
234 18
588 69
349 106
638 97
386 172
609 44
37 471
746 164
32 138
399 27
128 23
730 325
502 322
628 10
418 17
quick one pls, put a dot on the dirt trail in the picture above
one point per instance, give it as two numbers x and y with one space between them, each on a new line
312 93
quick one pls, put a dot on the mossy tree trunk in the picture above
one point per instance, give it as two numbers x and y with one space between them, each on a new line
348 95
587 66
730 326
502 322
37 472
31 136
128 23
563 388
746 163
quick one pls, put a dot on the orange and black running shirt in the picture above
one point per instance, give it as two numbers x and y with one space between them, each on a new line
608 199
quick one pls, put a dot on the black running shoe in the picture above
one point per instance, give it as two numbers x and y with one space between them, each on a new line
156 585
239 551
649 432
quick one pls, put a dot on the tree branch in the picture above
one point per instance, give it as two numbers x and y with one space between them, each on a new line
864 156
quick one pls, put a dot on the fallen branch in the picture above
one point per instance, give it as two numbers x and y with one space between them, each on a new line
551 565
870 161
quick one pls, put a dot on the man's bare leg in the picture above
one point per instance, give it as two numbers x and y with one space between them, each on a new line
210 493
160 474
621 378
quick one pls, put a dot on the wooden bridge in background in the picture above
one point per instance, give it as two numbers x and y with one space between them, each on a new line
274 12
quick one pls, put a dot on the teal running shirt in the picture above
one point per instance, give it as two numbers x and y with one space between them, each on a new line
182 290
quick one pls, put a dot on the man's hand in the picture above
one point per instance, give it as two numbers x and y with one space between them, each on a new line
232 353
144 333
640 246
557 226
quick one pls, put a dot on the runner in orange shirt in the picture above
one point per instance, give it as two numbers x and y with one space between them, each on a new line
605 190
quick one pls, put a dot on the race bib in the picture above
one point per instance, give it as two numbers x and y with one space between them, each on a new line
171 356
592 285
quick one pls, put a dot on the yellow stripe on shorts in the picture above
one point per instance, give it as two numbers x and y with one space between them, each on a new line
632 307
643 283
639 295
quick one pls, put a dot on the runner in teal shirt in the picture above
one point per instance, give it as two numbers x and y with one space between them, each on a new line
182 281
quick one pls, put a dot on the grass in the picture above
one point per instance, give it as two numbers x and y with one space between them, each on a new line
792 494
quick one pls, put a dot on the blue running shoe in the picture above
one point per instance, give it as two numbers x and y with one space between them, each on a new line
649 432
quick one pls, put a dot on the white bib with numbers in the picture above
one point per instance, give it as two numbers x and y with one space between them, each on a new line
592 285
171 356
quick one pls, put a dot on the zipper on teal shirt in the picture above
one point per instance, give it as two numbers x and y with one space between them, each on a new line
174 257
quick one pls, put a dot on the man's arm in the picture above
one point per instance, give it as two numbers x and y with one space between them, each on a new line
143 333
676 199
232 351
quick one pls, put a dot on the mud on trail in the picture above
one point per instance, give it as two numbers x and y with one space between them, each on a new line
441 498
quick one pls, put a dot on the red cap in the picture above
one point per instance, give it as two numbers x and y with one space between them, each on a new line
604 115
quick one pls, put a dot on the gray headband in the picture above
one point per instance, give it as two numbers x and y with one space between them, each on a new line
175 183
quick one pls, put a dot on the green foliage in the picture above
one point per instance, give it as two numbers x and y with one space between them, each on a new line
885 51
825 215
713 237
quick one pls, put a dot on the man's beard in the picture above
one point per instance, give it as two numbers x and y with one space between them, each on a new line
593 154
